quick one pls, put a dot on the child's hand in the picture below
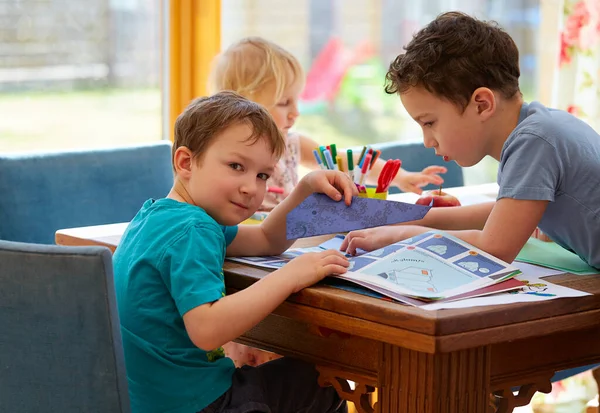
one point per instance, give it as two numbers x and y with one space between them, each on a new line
414 181
307 269
331 183
374 238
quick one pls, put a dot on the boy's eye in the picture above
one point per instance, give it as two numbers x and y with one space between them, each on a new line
236 166
262 176
428 124
284 103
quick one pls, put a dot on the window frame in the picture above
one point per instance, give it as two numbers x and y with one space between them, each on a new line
194 38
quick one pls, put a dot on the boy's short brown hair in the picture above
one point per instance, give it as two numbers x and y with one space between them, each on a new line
204 118
453 56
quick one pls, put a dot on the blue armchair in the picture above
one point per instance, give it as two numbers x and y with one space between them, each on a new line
43 192
61 347
415 157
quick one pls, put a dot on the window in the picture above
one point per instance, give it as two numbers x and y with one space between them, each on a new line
353 42
80 74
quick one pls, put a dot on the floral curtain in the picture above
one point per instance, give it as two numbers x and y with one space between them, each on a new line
577 82
576 89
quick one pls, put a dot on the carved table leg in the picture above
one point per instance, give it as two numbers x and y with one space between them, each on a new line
506 401
362 393
414 382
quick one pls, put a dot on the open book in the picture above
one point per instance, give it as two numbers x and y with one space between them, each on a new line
429 267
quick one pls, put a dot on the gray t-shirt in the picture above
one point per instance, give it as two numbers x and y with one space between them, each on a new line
553 156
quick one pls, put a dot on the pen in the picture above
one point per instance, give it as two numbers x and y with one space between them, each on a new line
339 163
333 151
322 150
365 168
364 149
275 189
350 164
318 159
329 160
376 154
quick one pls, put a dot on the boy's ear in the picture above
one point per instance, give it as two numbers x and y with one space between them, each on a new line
182 162
483 101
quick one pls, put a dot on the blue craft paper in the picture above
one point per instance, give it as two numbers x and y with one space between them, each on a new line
318 214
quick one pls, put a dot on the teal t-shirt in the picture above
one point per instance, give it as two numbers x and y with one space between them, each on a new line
168 262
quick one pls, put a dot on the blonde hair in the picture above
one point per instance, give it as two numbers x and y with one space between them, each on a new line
253 64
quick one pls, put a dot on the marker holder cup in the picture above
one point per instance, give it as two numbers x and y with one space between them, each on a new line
256 219
372 194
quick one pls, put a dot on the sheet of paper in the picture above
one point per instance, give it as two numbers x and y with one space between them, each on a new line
536 290
552 255
334 243
318 214
536 270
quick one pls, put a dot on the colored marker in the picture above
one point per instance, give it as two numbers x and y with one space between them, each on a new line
322 150
329 160
375 157
318 159
339 164
364 149
350 164
365 168
275 189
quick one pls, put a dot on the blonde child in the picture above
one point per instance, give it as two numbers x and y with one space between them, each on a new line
267 74
173 310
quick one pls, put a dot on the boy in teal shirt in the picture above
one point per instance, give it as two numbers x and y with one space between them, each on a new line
458 79
169 282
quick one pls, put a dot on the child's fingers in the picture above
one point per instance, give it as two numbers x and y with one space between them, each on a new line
413 188
358 243
435 169
331 191
348 238
336 257
430 179
345 184
332 269
331 252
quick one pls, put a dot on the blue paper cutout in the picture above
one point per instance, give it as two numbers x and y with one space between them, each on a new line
318 214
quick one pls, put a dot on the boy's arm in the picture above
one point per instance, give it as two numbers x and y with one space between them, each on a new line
457 218
506 230
509 226
269 238
214 324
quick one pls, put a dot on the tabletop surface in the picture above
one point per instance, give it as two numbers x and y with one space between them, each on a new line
487 324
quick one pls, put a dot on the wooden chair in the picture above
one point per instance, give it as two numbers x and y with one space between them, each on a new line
61 347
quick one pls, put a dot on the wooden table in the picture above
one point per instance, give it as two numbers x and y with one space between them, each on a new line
445 361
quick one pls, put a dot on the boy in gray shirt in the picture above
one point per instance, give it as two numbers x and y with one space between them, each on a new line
458 78
553 156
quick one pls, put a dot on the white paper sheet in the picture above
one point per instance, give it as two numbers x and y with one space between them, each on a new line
537 290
